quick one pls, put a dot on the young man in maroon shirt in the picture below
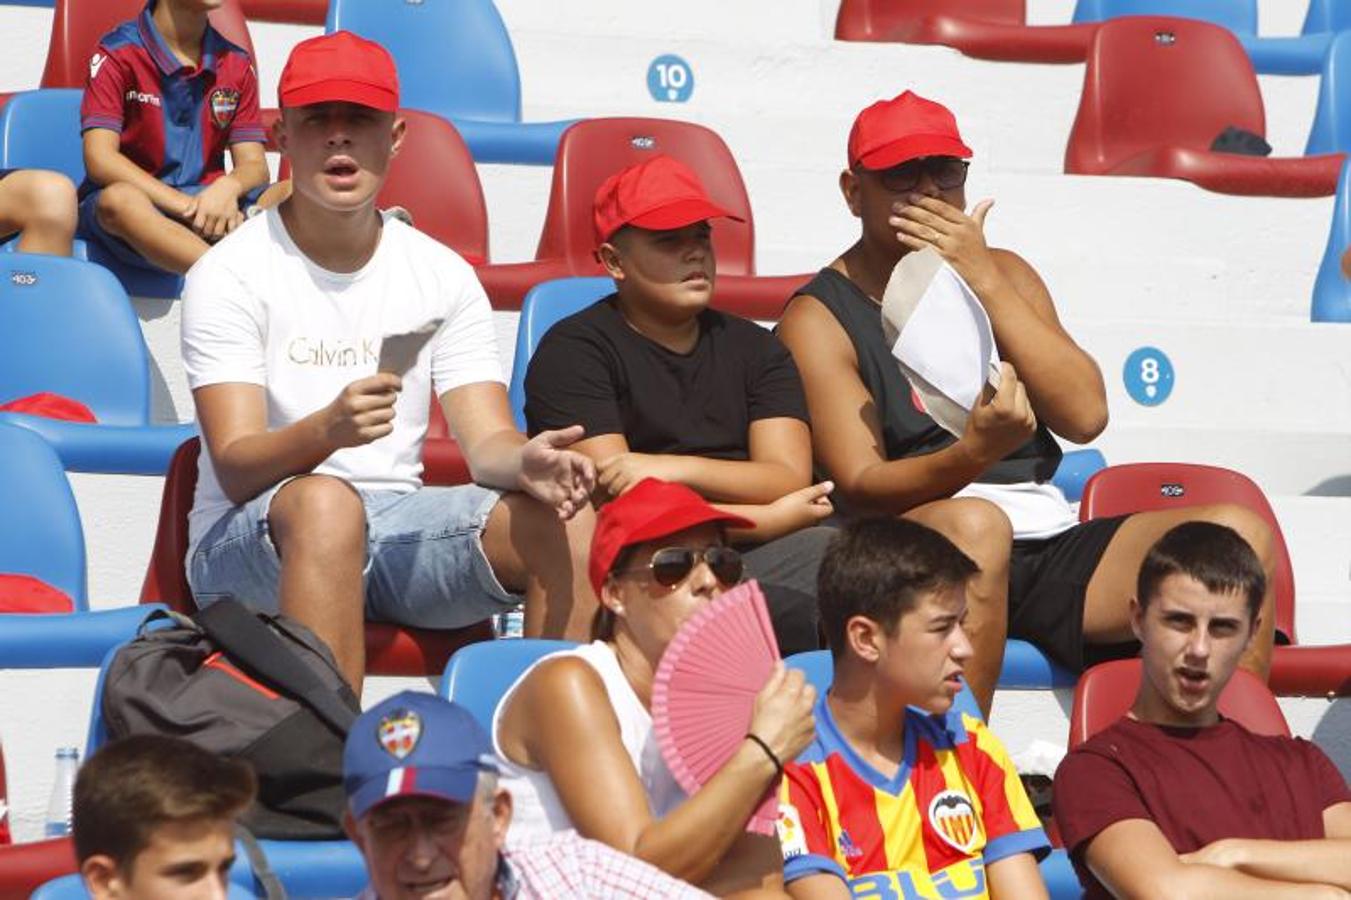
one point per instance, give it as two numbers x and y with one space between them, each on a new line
1176 801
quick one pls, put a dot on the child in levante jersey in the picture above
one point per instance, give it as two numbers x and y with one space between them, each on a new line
166 96
900 795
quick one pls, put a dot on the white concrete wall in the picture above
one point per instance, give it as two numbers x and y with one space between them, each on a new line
1221 284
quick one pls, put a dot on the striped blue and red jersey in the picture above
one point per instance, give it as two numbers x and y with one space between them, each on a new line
954 806
175 121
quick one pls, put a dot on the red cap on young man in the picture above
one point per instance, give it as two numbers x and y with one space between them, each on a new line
903 128
650 509
340 67
659 194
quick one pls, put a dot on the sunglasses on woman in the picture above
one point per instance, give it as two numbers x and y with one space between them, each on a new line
671 565
946 172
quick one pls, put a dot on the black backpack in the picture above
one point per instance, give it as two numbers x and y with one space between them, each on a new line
249 685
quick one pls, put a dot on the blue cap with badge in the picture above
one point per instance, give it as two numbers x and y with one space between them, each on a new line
414 744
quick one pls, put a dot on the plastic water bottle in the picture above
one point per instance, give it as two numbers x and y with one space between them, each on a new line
510 624
58 808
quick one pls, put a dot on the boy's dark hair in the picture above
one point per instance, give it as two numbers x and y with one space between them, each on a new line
1215 555
878 568
132 786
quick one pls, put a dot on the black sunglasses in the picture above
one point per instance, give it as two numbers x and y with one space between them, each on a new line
946 172
671 565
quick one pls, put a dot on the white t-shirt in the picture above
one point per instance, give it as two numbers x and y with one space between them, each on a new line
257 310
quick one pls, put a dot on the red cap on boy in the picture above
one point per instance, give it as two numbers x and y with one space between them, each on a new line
659 194
903 128
340 67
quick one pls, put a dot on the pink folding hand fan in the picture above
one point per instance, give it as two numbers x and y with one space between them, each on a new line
705 686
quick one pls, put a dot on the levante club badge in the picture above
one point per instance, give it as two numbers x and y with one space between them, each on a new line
224 103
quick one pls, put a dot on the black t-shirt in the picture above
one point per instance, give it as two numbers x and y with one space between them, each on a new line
593 369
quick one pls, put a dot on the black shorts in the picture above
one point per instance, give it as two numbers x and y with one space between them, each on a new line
1048 579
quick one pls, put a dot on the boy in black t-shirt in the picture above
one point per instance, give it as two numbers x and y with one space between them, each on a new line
668 388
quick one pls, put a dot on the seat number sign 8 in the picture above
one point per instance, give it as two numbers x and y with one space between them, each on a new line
670 79
1148 376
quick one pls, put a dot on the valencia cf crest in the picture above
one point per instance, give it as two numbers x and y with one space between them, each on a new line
953 818
399 732
224 103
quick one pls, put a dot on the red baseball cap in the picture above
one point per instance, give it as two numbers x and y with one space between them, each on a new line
892 131
340 67
649 510
659 194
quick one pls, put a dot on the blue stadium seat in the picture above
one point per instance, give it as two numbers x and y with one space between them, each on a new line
479 674
1076 467
40 533
544 306
456 60
1331 131
1027 668
67 327
1332 291
41 130
78 640
1239 16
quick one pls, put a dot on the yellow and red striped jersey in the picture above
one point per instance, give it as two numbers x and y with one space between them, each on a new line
954 805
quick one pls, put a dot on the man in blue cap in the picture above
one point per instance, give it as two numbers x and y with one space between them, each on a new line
425 810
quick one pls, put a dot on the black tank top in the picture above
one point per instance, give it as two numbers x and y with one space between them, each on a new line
906 431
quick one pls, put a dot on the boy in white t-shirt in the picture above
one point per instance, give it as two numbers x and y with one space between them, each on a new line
310 498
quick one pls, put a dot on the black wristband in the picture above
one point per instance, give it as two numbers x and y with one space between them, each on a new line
778 766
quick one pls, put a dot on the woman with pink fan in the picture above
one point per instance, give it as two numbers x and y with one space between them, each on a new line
649 739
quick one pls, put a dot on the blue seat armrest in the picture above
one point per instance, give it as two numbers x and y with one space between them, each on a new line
67 640
522 143
307 868
108 449
1058 873
1298 55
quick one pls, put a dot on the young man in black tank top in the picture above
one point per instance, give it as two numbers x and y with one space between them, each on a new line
668 388
1068 585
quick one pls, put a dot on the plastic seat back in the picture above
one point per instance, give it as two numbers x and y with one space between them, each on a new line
593 150
1332 290
40 533
876 20
1331 129
78 26
1154 82
1326 15
545 306
479 674
1141 487
67 327
433 177
1106 692
1239 16
41 130
455 59
166 577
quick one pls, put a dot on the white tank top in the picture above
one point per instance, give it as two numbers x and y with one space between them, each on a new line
537 810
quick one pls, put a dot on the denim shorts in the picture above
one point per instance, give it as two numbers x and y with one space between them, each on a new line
425 565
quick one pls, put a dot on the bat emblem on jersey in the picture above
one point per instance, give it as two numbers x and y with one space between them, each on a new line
954 819
224 102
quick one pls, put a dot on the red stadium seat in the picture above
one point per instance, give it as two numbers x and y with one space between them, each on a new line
1142 487
390 649
433 177
294 12
1311 671
1106 691
77 27
591 151
5 836
25 867
1158 91
985 29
